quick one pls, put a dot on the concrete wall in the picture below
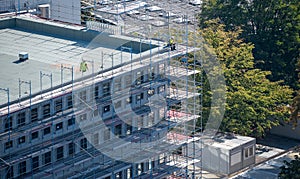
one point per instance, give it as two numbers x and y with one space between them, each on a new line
6 5
28 4
76 33
62 10
13 5
66 11
244 162
215 159
63 31
287 131
7 23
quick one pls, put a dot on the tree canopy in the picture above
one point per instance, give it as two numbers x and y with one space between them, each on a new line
290 169
295 112
273 26
254 104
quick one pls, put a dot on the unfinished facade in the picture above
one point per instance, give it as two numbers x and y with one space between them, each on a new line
131 115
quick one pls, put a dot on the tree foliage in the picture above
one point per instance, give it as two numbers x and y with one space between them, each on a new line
273 26
254 104
290 169
295 112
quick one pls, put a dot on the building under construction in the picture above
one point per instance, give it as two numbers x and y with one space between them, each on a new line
109 98
76 103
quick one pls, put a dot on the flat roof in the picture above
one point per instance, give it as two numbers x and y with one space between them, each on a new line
135 17
228 142
48 51
122 8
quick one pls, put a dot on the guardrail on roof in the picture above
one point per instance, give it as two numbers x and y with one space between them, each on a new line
98 26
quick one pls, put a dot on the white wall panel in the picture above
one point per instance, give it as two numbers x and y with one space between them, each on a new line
66 10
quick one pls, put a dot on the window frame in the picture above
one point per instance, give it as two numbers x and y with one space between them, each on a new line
35 164
151 73
82 96
10 172
106 109
96 139
8 124
162 89
21 140
9 144
162 70
60 153
71 121
45 131
129 100
118 130
151 92
71 149
69 101
128 126
58 105
139 97
83 144
95 113
21 119
249 150
47 158
83 117
59 126
106 89
118 104
106 134
46 110
34 114
128 80
96 92
33 136
118 84
139 77
22 168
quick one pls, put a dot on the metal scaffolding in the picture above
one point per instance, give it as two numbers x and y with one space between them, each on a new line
187 63
137 115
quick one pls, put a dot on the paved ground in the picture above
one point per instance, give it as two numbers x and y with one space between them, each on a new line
267 148
268 169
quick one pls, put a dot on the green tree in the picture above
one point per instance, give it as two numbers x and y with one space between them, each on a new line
273 26
295 112
254 104
290 169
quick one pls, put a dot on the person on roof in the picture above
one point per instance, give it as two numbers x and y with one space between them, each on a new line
83 66
172 44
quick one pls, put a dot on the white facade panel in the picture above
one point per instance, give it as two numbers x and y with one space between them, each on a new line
16 5
66 11
236 158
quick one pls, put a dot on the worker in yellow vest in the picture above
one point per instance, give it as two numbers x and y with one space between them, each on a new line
83 66
172 44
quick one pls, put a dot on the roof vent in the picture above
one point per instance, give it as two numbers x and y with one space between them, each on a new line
44 10
230 135
23 56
